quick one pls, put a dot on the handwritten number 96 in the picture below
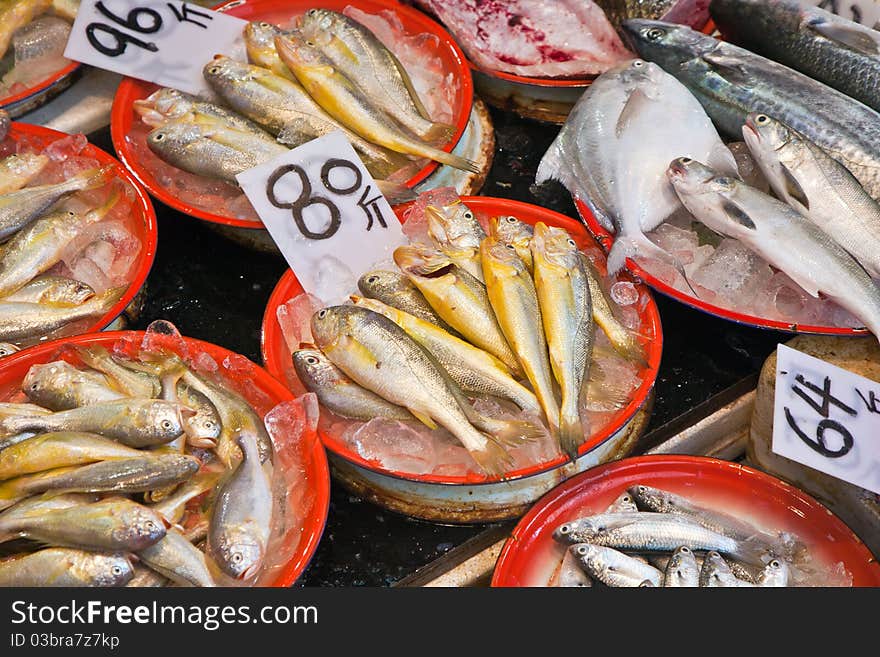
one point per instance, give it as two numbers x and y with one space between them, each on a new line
152 22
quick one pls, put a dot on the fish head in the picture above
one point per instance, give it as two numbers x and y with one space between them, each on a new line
510 230
139 526
654 499
590 556
241 554
666 44
162 105
501 258
174 138
225 74
682 555
105 569
423 261
555 246
165 417
764 133
713 562
691 177
261 35
7 348
775 573
328 325
379 284
303 57
319 20
313 367
43 378
454 224
580 530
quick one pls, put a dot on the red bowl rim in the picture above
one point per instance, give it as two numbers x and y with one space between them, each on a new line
271 335
314 526
43 85
606 239
129 86
533 521
148 243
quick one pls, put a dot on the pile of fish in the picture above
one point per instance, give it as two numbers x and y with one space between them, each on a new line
142 472
816 148
465 316
650 537
33 36
69 250
329 73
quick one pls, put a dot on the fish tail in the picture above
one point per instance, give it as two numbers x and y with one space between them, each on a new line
103 302
453 160
513 433
396 193
439 133
94 178
492 458
551 166
627 345
750 553
626 246
571 434
527 401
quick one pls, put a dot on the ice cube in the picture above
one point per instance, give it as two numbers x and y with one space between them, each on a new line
673 239
61 149
295 318
624 293
730 272
397 446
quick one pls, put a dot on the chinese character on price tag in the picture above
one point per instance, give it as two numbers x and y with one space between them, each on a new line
866 12
163 42
827 418
325 213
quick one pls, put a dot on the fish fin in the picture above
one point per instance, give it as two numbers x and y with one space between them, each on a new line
94 178
423 418
793 187
514 433
455 161
493 458
407 82
348 343
631 108
626 246
571 434
439 133
850 37
396 193
727 67
735 213
104 301
750 553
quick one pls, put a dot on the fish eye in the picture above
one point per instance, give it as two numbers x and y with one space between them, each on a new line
655 34
159 136
322 313
510 246
312 12
684 549
565 529
236 558
511 219
214 70
468 215
311 360
642 489
638 63
685 160
150 524
209 424
582 550
762 119
265 24
34 386
775 564
373 279
310 43
167 425
116 570
571 242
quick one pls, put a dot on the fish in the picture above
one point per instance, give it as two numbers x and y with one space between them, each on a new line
60 449
472 369
567 316
611 155
682 569
775 574
19 320
7 349
132 422
145 577
242 516
21 207
133 383
15 14
693 13
173 506
179 560
286 110
511 231
458 298
211 148
514 300
5 123
584 529
39 44
165 104
346 102
259 40
817 186
661 501
16 171
59 386
570 573
131 475
716 573
778 234
65 567
624 341
732 82
456 232
840 53
51 289
340 394
624 503
394 289
361 342
359 55
111 525
614 568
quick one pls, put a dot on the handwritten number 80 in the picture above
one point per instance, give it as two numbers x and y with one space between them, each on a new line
121 39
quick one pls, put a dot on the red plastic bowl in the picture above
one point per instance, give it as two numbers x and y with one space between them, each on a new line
123 115
277 357
144 223
530 554
264 389
606 239
20 103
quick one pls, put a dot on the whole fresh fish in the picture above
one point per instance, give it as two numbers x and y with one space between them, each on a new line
242 518
456 232
472 369
731 82
817 186
50 289
682 569
177 559
286 110
584 529
259 39
132 475
380 356
780 235
514 300
693 13
614 148
5 122
59 450
19 208
164 105
173 507
7 348
16 171
133 383
396 290
623 504
15 14
132 422
570 573
65 567
346 102
822 45
775 574
716 573
210 147
661 501
340 394
511 231
31 320
114 524
614 568
567 316
360 56
59 386
458 298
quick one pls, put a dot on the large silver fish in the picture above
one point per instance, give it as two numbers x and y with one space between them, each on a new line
65 567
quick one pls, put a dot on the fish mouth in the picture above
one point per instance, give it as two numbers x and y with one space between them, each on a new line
750 126
678 167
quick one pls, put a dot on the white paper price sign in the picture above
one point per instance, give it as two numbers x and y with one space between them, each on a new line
827 418
325 213
163 42
866 12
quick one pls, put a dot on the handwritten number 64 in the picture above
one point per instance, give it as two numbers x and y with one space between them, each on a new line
305 200
818 444
120 38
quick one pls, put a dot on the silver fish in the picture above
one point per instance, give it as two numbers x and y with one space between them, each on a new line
65 567
682 569
775 574
614 568
179 560
716 573
59 386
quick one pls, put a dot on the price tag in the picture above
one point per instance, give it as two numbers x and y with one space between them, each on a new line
163 42
866 12
325 213
827 418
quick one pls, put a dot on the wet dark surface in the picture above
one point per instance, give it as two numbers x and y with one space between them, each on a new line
215 290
